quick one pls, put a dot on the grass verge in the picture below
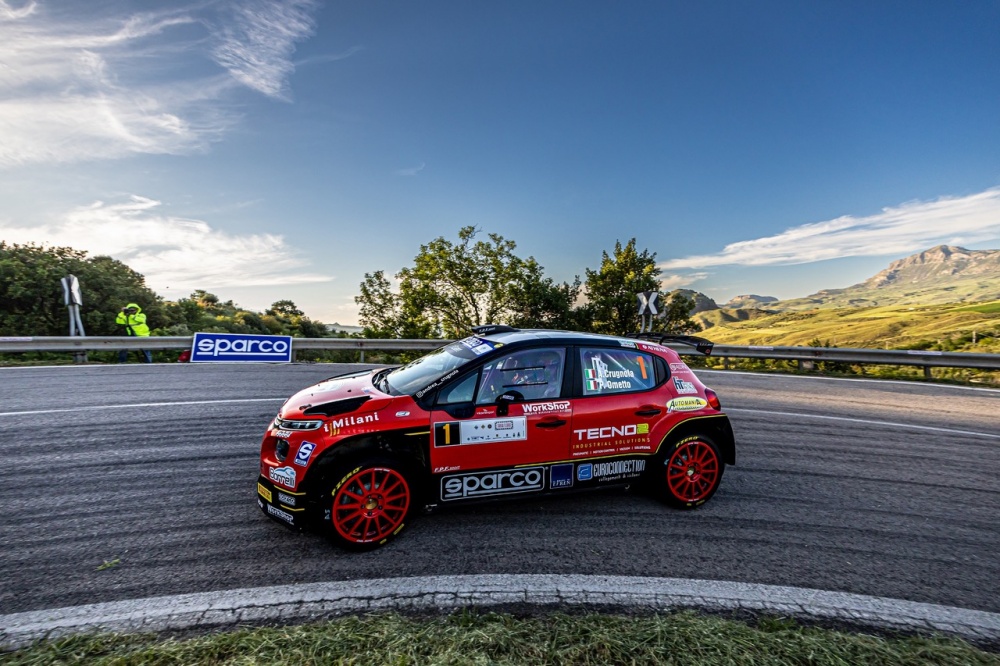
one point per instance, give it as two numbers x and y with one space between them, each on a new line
499 638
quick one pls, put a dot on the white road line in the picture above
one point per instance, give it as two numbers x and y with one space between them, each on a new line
892 424
139 404
287 603
867 380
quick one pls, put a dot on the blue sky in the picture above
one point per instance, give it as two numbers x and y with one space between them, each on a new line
267 149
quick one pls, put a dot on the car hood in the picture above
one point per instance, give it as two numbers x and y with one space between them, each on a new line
337 395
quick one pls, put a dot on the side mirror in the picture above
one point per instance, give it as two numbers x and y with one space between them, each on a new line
506 399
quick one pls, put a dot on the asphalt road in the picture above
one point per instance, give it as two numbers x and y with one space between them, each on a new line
879 488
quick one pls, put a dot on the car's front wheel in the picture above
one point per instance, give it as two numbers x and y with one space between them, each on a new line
688 473
368 504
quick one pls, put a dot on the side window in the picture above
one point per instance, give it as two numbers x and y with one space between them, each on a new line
534 373
609 370
461 391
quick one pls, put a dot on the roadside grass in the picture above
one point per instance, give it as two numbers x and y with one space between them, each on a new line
470 637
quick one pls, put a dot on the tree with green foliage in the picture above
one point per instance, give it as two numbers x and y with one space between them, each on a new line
32 294
612 288
676 317
452 287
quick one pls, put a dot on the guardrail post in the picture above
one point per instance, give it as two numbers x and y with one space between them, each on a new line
362 355
725 362
927 372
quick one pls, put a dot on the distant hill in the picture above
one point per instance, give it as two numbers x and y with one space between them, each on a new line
750 301
942 274
702 302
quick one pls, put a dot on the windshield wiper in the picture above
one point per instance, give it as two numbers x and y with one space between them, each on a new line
381 381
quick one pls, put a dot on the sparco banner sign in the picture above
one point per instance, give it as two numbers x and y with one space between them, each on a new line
238 347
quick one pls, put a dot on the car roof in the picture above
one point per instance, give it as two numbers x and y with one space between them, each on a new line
511 337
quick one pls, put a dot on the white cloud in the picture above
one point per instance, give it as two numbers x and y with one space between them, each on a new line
169 251
84 87
677 281
900 230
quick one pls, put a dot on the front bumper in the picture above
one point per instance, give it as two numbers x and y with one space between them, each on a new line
285 506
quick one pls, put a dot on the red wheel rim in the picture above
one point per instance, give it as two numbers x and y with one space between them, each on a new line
371 504
693 471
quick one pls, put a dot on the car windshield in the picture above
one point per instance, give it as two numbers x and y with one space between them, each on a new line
437 366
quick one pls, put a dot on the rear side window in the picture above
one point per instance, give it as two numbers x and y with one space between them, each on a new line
610 370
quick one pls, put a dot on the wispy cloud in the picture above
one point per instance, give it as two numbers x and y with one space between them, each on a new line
84 86
677 281
898 230
170 252
411 171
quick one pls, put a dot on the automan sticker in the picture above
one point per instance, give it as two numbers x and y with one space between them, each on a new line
283 475
498 482
305 452
480 431
682 386
263 492
686 404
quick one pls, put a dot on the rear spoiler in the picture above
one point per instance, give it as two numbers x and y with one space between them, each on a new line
701 345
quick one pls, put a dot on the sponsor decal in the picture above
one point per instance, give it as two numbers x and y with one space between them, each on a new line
477 346
282 475
618 468
305 452
485 411
500 482
585 472
447 468
285 498
282 515
282 434
336 425
679 367
479 431
682 386
610 440
263 492
546 407
686 404
627 343
561 476
400 415
591 434
652 346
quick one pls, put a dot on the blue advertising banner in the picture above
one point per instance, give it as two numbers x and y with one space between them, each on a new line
241 347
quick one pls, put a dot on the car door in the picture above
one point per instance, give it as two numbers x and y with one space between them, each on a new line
508 413
614 406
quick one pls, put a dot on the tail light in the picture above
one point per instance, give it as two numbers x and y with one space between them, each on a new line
713 399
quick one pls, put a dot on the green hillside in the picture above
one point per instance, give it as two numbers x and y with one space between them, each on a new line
950 327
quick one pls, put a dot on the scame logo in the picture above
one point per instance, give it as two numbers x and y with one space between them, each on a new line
224 347
492 483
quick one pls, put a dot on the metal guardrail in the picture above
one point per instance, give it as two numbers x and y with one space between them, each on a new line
803 355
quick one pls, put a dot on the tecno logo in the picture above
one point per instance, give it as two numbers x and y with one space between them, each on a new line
225 347
458 486
590 434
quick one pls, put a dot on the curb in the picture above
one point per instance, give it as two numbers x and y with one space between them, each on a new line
313 601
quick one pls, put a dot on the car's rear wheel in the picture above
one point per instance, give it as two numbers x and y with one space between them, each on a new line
688 473
369 503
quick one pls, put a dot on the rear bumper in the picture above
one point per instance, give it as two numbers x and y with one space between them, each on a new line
284 506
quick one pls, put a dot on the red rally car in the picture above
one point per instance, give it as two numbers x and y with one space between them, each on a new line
503 413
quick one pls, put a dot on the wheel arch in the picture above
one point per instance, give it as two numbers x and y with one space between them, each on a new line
716 426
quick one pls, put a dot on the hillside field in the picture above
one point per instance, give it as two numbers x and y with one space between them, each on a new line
948 327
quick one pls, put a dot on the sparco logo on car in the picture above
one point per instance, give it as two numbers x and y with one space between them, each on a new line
305 452
501 482
546 407
283 475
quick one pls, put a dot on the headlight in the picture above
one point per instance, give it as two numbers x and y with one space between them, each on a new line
310 424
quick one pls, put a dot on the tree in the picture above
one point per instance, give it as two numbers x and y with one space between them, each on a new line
612 288
676 316
32 295
452 287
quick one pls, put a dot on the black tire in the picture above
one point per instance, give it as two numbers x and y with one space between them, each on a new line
687 472
368 502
